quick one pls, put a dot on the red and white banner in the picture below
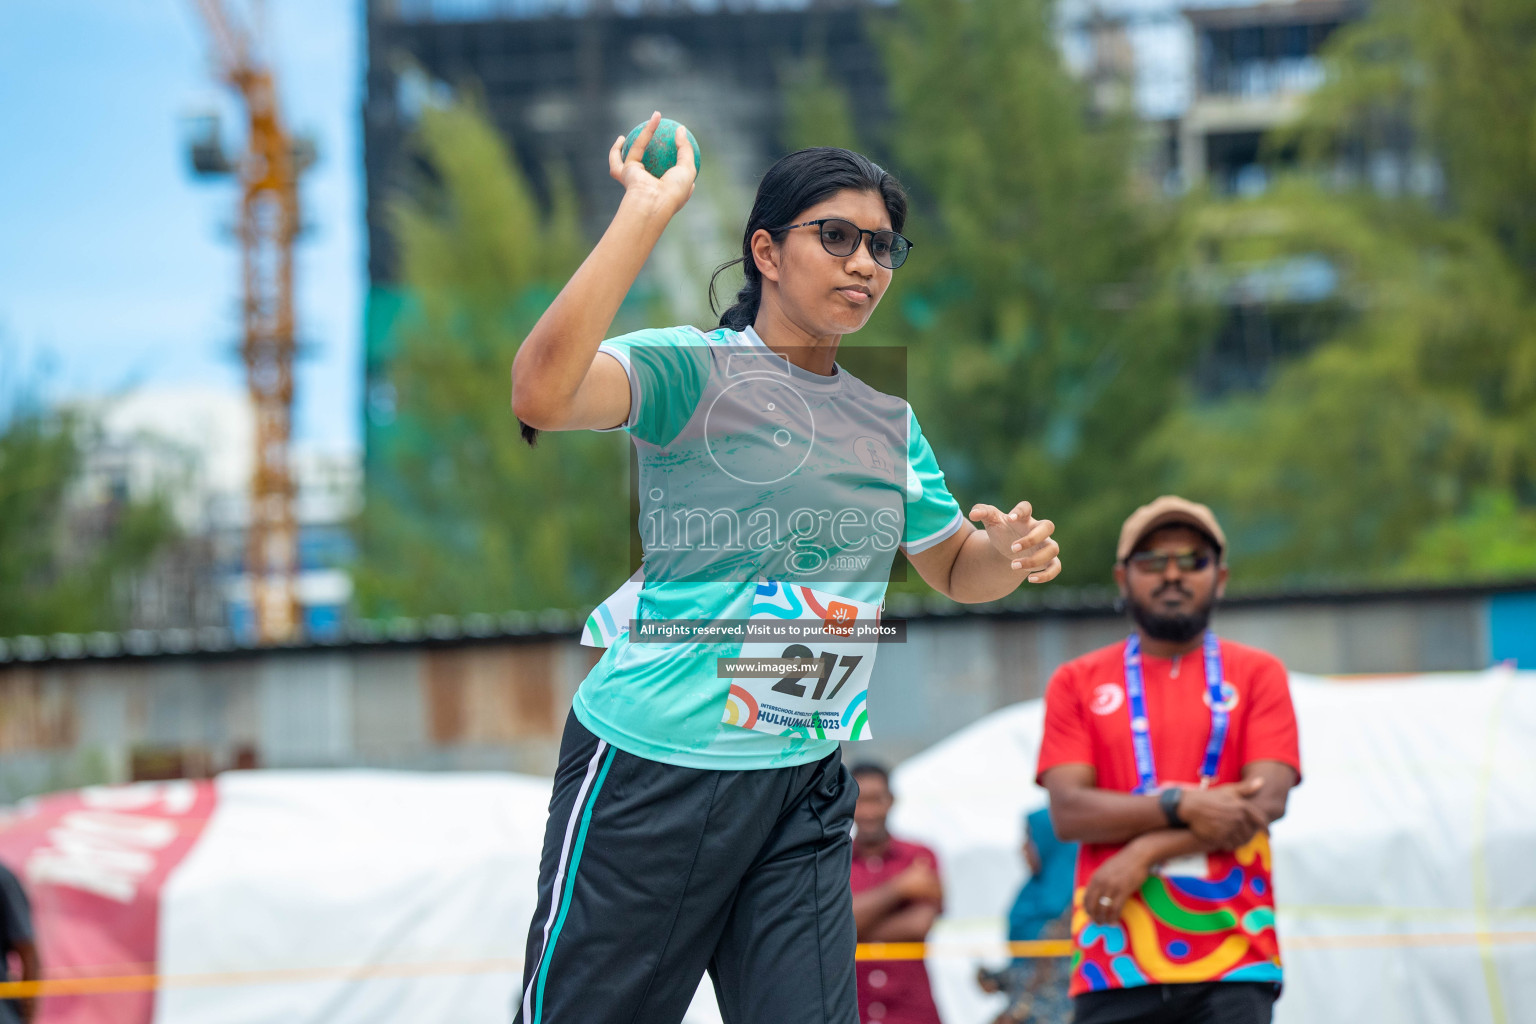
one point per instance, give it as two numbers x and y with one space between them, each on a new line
93 862
346 897
321 897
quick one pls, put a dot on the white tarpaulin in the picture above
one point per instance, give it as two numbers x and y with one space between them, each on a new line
326 897
422 884
1403 872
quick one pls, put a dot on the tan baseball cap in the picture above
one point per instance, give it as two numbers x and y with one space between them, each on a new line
1168 511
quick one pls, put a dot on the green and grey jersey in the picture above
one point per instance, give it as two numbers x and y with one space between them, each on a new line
750 469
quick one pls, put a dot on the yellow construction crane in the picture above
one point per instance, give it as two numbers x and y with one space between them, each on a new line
268 171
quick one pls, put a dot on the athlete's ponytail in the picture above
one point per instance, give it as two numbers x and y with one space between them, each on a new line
797 182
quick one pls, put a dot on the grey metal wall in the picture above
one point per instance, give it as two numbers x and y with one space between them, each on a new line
500 703
953 671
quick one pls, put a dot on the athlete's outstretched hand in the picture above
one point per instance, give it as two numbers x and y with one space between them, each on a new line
673 188
1022 539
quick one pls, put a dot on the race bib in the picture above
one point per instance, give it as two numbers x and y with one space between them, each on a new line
831 702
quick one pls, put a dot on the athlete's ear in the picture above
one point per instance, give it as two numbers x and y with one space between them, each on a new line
1120 579
1221 582
765 253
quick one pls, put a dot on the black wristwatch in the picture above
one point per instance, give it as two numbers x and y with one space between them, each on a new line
1168 800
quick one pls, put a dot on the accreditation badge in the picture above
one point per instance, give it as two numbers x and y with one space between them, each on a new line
1193 865
829 703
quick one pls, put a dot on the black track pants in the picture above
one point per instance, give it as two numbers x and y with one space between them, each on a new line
652 874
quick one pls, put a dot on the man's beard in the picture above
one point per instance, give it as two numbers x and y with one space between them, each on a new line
1178 629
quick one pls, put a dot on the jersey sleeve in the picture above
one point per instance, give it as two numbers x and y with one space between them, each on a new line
1065 738
932 514
667 369
1271 734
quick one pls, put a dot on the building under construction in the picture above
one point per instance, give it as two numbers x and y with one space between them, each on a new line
561 85
562 78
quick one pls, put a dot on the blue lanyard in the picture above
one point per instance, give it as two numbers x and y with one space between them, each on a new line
1141 732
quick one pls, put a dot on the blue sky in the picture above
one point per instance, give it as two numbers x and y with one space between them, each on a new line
115 263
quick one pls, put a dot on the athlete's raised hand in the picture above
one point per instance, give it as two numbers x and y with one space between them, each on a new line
673 188
558 380
1022 539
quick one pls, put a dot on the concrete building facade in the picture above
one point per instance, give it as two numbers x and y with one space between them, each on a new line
194 445
1254 66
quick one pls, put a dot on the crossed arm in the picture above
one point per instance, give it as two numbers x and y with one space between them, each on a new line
1219 818
902 909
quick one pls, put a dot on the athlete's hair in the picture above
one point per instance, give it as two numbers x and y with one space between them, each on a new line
797 182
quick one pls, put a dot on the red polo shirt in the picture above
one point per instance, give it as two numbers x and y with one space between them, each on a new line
1212 925
893 991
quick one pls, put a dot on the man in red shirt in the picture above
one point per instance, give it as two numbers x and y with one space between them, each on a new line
1168 756
896 898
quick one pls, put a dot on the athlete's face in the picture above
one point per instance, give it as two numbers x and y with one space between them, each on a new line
825 294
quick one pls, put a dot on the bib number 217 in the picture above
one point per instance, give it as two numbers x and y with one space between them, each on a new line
825 695
830 663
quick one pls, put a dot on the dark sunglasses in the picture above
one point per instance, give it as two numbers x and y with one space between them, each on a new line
1157 561
842 237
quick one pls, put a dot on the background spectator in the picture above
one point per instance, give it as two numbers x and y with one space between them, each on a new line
897 896
16 937
1168 756
1037 987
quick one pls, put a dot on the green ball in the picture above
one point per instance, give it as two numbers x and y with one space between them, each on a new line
661 153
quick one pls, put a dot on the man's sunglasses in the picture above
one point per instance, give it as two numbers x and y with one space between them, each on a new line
1156 562
842 237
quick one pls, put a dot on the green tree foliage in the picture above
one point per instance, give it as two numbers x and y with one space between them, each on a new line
1494 538
1040 303
65 566
816 111
1405 438
469 518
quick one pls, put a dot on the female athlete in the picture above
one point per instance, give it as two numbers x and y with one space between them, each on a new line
701 813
